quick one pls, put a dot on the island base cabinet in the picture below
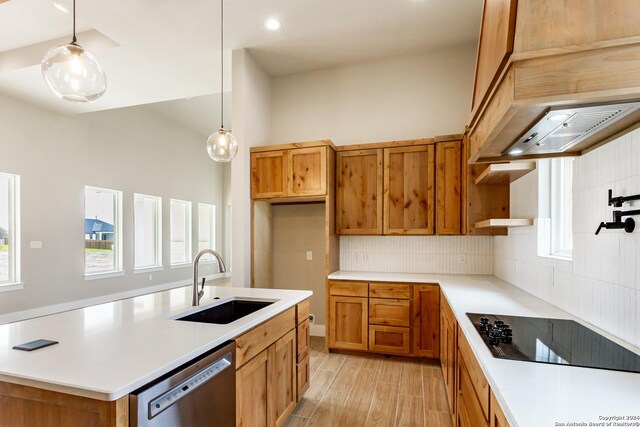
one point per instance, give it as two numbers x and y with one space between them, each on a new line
23 406
304 376
252 382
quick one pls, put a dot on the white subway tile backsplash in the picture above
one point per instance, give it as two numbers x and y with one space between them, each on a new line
602 283
418 254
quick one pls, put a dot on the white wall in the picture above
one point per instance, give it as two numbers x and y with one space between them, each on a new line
417 254
251 126
131 150
602 284
404 97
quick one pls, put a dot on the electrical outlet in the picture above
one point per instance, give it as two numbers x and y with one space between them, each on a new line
366 258
36 244
462 259
309 256
312 319
151 277
359 257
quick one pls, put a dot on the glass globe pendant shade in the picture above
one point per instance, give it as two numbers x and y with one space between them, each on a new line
222 146
73 74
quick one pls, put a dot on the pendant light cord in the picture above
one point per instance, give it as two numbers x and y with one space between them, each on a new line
221 64
74 41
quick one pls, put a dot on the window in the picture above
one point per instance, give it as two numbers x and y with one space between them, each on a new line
9 229
180 232
561 204
147 226
206 229
102 231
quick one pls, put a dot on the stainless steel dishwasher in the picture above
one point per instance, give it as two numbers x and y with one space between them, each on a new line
199 393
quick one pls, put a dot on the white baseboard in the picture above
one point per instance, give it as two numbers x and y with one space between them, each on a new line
17 316
317 330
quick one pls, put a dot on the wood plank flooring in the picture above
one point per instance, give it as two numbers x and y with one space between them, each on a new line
371 390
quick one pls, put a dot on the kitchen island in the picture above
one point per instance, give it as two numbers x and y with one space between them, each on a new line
107 351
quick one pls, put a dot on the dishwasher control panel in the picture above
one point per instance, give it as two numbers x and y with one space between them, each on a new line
182 389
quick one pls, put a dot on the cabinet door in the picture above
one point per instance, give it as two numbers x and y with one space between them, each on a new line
469 409
308 171
252 381
269 174
497 418
282 365
409 190
494 47
449 187
448 352
359 192
426 321
303 377
348 317
302 340
389 339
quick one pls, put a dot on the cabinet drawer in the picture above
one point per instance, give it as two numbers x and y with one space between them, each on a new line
303 340
389 290
349 289
476 376
389 339
302 311
390 312
262 336
303 376
469 406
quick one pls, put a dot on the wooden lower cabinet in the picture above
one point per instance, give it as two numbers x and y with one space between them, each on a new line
389 312
469 408
252 383
497 418
282 357
303 336
348 323
426 321
304 376
389 339
448 351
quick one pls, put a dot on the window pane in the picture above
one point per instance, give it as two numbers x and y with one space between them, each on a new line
5 232
101 230
206 228
561 207
146 226
180 232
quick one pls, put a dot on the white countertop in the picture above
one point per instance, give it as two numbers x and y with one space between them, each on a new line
108 350
531 394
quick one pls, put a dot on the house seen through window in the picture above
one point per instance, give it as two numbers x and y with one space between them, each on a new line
102 231
9 233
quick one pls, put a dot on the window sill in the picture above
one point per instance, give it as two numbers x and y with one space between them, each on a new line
147 269
8 287
182 265
558 257
98 276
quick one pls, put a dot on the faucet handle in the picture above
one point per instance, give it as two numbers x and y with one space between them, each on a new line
600 227
201 292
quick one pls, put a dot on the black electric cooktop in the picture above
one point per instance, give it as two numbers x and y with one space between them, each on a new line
556 341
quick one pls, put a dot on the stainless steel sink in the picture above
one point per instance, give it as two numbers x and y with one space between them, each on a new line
226 312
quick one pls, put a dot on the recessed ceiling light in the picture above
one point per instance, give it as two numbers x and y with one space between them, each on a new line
272 24
61 6
559 117
516 151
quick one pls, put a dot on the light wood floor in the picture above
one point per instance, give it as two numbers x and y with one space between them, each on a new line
371 390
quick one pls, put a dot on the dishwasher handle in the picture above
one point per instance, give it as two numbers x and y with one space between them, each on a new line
189 385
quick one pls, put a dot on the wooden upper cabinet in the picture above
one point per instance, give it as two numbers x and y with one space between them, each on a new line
409 190
269 174
307 171
494 47
359 192
449 187
426 321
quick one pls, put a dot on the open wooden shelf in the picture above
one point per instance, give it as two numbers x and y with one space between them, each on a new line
505 222
504 173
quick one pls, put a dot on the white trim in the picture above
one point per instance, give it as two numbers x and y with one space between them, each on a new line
14 250
147 270
17 316
317 330
108 275
158 231
8 287
181 265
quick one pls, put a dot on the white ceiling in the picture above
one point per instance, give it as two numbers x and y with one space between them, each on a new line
159 50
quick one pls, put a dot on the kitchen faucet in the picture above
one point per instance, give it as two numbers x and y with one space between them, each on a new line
221 268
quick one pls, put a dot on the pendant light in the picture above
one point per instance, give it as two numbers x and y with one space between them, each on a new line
222 145
72 73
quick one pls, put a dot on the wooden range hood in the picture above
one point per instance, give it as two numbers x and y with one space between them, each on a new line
538 56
